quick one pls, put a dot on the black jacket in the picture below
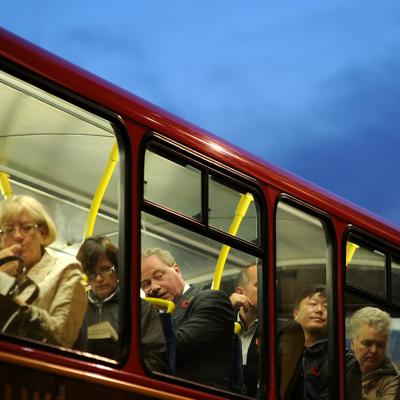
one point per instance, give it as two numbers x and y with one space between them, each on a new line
316 378
98 311
204 322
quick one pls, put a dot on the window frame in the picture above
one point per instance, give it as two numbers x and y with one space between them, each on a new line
372 242
391 252
332 285
207 167
124 212
236 179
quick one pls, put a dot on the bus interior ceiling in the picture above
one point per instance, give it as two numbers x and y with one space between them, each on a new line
57 152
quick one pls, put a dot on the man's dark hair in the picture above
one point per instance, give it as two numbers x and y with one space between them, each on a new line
310 291
93 248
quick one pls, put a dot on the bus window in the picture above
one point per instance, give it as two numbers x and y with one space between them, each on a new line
229 199
166 189
198 255
195 267
373 336
395 282
302 259
57 152
372 323
366 268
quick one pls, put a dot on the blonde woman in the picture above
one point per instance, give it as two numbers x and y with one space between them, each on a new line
56 315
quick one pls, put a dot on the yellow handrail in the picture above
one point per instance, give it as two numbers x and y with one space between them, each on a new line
101 188
237 328
5 186
351 248
240 212
168 305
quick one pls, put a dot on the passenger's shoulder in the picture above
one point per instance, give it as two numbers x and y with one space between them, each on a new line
215 295
62 262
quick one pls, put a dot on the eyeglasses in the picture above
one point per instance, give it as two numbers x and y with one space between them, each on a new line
103 272
8 231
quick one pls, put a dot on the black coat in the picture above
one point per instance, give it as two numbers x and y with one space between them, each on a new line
98 311
153 342
204 322
317 379
290 340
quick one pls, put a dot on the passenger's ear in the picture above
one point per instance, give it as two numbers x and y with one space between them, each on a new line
351 345
295 313
177 269
239 290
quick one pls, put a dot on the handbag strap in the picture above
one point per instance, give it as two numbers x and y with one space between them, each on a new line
21 265
28 282
22 281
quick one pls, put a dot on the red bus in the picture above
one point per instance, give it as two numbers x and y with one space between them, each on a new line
104 161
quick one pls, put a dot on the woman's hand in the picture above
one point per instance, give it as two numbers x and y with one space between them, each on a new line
10 268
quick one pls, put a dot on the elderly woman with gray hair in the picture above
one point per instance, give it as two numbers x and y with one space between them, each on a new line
369 332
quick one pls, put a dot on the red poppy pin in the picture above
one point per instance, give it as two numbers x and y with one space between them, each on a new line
315 371
184 304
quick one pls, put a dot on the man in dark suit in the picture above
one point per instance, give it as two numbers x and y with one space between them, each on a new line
204 321
244 302
290 339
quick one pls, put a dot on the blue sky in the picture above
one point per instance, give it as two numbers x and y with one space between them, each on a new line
311 86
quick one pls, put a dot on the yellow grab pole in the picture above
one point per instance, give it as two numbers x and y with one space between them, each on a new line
351 248
240 212
169 306
5 186
98 197
237 328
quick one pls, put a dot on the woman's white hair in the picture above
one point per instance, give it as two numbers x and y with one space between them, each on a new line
371 316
